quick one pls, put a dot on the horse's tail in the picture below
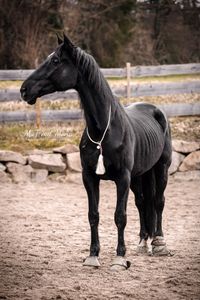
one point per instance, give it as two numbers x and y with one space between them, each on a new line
149 190
161 118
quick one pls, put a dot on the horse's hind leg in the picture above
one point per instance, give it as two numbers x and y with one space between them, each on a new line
161 175
145 192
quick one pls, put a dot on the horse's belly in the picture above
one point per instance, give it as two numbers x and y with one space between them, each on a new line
148 150
145 162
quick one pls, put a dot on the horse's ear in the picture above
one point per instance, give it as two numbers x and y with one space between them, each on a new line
60 41
67 43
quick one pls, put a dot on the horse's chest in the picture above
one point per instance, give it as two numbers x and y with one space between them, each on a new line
89 156
112 159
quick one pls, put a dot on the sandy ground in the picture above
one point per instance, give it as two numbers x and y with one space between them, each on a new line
44 236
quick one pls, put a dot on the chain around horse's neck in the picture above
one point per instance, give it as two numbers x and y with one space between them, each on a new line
103 136
100 169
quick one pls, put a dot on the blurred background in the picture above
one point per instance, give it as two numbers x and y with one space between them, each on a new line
160 39
114 31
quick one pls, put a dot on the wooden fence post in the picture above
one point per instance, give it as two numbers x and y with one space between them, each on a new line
128 78
38 113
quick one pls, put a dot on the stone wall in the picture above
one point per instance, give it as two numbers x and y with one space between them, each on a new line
63 164
59 164
185 160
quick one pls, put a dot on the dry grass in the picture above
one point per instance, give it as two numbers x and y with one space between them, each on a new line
118 81
75 104
165 99
44 104
186 128
171 78
21 137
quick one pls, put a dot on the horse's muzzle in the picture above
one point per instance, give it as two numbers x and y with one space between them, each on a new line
23 92
26 97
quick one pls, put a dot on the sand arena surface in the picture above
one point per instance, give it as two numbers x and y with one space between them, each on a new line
44 237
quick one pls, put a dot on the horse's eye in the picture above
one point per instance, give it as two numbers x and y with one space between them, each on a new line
55 60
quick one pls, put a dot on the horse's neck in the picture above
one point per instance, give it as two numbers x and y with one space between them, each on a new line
96 108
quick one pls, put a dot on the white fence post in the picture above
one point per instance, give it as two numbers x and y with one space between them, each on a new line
128 78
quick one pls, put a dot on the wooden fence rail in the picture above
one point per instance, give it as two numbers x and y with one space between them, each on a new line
135 90
128 90
136 71
172 110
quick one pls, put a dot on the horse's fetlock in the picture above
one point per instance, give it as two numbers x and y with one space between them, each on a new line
121 250
94 249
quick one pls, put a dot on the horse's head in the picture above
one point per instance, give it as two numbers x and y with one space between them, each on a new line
57 73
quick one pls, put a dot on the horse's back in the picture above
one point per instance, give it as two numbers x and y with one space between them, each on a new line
136 110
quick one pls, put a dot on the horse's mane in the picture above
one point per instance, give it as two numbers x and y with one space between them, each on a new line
90 70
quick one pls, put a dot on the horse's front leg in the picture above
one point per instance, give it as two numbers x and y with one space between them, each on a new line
123 185
91 183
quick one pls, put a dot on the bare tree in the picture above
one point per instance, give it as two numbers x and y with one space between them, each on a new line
114 31
102 27
25 31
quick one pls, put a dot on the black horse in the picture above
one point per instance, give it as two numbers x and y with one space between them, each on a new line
130 146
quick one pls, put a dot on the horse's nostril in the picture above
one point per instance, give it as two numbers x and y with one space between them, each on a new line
23 91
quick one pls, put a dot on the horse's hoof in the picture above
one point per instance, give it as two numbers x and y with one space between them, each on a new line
160 251
158 241
142 247
159 247
91 261
120 264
